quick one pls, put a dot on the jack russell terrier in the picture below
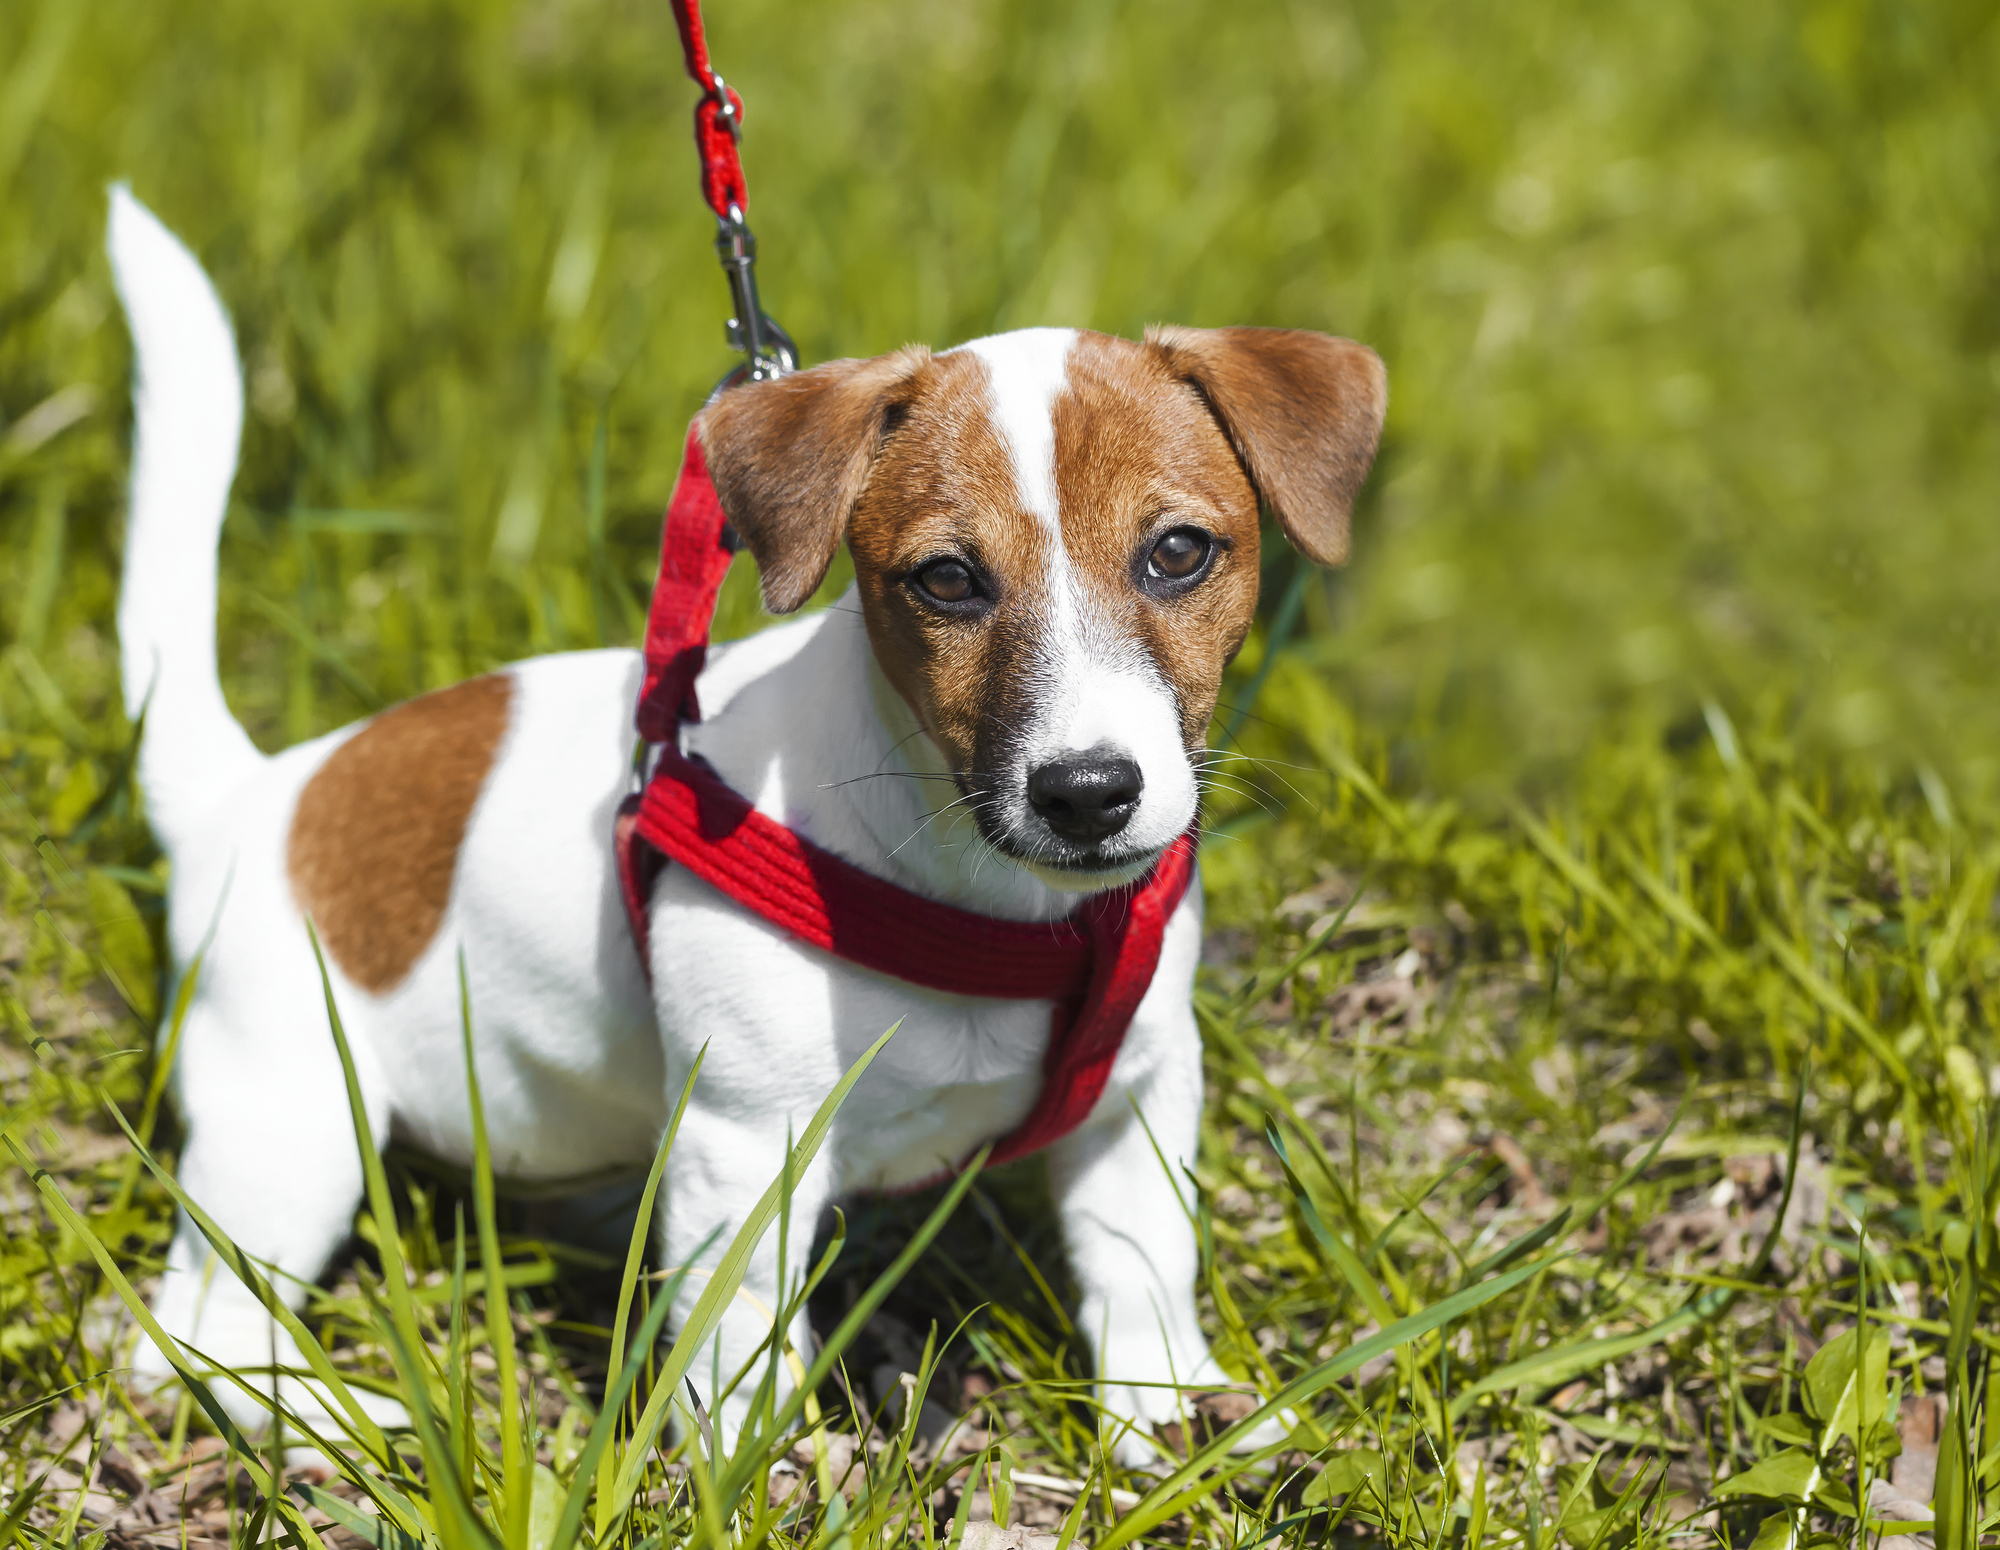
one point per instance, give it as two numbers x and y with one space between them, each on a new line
1055 538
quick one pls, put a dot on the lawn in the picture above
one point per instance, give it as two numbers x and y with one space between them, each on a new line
1603 953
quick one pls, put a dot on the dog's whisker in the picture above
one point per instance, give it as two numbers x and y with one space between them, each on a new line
1256 799
1252 758
833 785
928 821
1297 794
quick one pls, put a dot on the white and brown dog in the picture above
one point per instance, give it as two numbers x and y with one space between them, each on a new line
1055 540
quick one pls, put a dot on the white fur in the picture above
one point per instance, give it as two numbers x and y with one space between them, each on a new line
577 1059
188 399
1097 688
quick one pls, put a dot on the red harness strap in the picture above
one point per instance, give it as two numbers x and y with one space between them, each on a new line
1094 965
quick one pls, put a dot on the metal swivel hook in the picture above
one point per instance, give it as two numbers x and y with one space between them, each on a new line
768 349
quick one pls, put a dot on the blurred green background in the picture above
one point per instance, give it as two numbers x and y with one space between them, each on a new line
1652 729
1692 317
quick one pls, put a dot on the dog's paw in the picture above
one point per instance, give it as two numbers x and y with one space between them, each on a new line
1168 1425
244 1391
1211 1414
307 1400
1132 1448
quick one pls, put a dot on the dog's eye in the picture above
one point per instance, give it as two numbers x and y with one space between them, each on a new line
1180 554
948 581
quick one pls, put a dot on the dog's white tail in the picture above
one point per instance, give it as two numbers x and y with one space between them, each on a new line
188 405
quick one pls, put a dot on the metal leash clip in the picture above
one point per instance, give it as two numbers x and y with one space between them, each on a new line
769 349
752 330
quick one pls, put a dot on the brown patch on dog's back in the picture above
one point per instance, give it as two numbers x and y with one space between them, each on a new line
375 839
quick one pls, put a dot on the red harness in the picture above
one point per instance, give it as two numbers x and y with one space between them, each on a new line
1094 965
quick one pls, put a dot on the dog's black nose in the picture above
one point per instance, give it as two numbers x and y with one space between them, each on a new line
1086 797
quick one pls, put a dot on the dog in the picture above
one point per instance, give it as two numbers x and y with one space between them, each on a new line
1055 543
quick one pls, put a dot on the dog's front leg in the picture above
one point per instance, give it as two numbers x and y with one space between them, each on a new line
723 1162
1131 1244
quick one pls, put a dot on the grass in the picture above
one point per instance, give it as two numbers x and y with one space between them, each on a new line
1609 874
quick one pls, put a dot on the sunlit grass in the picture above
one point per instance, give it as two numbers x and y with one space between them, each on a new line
1649 746
1487 1198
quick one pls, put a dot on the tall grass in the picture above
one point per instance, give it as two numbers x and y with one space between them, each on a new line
1602 870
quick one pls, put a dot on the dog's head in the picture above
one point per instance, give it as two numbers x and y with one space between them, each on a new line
1055 539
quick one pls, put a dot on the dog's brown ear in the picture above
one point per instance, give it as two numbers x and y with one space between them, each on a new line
790 458
1303 411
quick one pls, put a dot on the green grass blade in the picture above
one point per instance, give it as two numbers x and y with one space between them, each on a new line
60 1208
458 1521
1260 985
365 1431
749 1454
516 1450
168 1050
1836 1005
1213 1465
23 1504
1331 1243
723 1282
315 645
1579 875
1529 1242
380 1532
635 1253
1438 1182
1547 1367
570 1523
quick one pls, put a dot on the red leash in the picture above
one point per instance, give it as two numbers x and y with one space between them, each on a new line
1094 965
718 126
718 120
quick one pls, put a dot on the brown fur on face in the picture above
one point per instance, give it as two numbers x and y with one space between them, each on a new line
944 485
375 838
790 457
1137 455
1304 412
902 455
